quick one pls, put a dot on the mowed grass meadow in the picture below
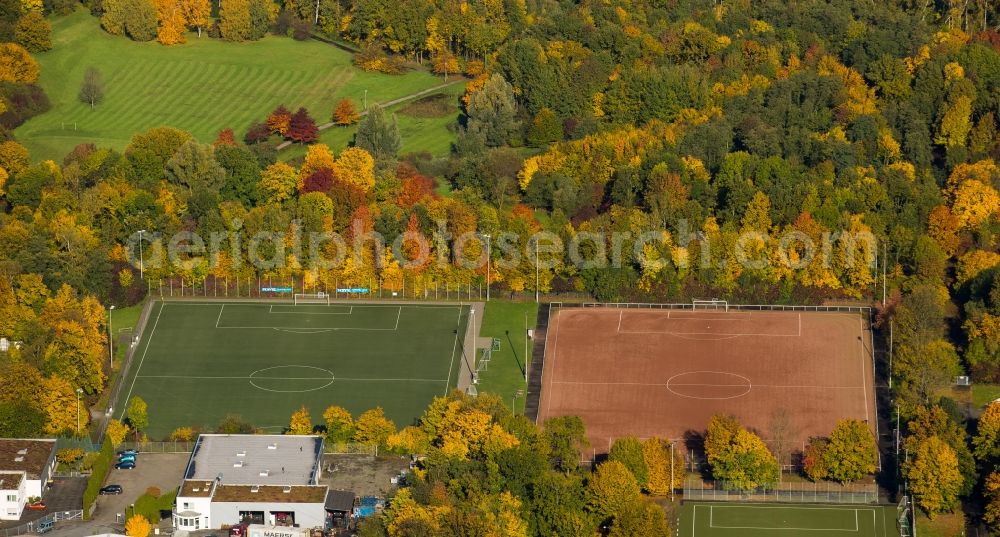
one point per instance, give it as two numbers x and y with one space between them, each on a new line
202 86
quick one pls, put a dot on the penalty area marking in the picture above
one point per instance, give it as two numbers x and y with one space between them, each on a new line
855 529
350 309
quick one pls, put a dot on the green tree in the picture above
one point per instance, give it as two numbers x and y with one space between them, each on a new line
137 414
640 518
566 438
545 128
20 419
851 453
628 451
194 166
34 32
492 111
377 135
933 474
243 20
559 506
242 174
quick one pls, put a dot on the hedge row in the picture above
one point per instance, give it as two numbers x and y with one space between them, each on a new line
100 470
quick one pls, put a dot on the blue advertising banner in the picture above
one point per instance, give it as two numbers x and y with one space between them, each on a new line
353 290
276 289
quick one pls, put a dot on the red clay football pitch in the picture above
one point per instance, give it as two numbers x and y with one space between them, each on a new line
666 372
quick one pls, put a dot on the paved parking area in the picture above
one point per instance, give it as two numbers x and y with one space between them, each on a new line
65 494
162 470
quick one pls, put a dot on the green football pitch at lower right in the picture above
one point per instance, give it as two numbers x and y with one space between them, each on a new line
200 361
756 520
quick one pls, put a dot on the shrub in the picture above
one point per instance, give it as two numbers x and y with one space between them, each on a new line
301 30
100 470
69 455
24 101
282 24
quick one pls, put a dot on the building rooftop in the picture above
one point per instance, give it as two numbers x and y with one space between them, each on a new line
340 500
10 480
196 489
28 456
270 493
256 459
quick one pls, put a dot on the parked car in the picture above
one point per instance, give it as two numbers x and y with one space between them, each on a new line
45 525
125 458
125 465
127 452
111 489
37 506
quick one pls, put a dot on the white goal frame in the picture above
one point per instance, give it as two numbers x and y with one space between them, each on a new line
311 298
710 304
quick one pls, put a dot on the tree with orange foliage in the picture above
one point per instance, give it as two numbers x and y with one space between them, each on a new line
345 113
279 120
225 137
171 26
415 186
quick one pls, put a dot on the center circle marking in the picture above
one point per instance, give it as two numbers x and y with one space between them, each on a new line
307 372
709 385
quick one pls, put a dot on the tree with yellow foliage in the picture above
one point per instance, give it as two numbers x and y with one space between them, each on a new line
612 490
318 157
656 453
58 399
738 457
137 526
301 422
116 432
356 166
17 65
279 182
13 157
933 475
991 514
171 22
196 13
339 424
182 434
373 428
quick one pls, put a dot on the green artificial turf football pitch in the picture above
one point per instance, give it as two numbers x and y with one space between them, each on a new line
754 520
199 361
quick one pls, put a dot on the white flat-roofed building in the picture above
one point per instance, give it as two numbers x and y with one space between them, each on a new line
253 479
26 465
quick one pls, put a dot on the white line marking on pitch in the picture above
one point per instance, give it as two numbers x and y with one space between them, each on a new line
620 313
864 380
780 386
141 360
353 379
219 319
451 363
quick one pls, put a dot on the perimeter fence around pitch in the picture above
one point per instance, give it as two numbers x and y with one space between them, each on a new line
698 489
707 307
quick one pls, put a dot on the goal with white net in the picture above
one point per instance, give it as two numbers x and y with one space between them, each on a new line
710 304
311 298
